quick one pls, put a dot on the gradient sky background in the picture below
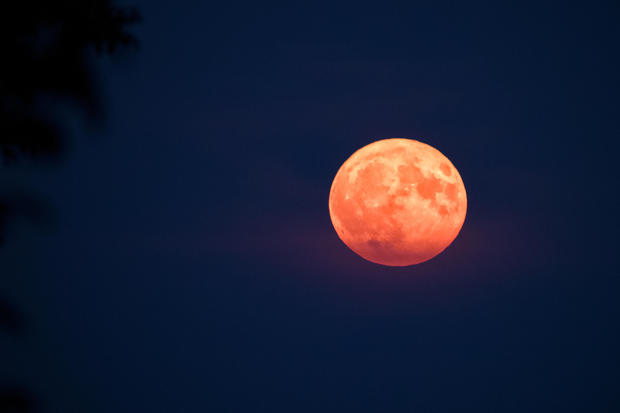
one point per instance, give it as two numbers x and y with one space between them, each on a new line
194 267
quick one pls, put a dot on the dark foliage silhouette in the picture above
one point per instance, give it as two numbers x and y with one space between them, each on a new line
16 400
47 50
46 45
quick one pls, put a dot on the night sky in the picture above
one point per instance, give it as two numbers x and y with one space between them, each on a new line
194 267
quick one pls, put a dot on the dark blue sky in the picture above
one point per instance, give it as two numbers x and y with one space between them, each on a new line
195 269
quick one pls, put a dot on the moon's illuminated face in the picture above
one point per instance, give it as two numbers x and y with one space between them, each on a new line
397 202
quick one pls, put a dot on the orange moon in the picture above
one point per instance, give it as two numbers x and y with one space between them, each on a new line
397 202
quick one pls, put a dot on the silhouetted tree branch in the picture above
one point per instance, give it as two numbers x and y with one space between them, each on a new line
46 48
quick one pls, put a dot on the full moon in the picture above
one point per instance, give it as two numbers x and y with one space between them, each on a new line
397 202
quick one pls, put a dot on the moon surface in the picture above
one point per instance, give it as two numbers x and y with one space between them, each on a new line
397 202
